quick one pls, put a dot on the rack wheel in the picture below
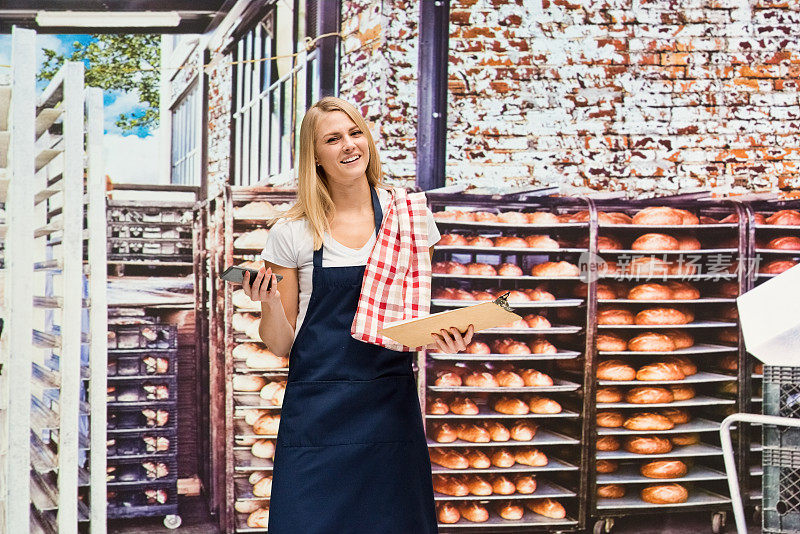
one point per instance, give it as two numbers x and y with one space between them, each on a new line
172 521
718 522
603 525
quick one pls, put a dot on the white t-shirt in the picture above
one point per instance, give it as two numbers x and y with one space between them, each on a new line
291 244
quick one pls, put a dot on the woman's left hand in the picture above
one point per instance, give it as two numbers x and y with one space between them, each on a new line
452 341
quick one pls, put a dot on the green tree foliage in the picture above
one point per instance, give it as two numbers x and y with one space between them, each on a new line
118 62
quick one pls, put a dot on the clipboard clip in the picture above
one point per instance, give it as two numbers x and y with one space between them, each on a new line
502 301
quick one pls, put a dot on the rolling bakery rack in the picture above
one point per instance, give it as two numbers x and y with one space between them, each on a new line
460 278
244 420
714 250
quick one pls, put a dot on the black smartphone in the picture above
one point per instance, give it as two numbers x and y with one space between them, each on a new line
235 274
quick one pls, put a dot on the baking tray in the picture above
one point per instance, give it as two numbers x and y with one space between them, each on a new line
513 250
553 465
777 251
756 446
560 355
657 228
252 400
700 348
629 474
756 471
244 462
484 412
688 451
695 425
558 303
633 252
555 329
699 400
476 224
544 489
542 437
782 227
701 377
697 497
243 430
529 520
244 491
558 385
695 324
497 277
654 277
241 524
702 300
241 368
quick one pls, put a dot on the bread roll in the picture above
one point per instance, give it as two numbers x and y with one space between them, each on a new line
541 242
604 291
473 511
541 346
497 431
650 292
609 419
263 448
510 406
647 445
448 379
263 488
510 346
615 370
607 443
528 456
684 364
660 316
472 433
539 295
523 431
536 321
676 415
609 342
478 347
784 218
542 405
444 433
611 491
687 217
481 269
258 518
614 316
660 371
242 321
453 240
648 266
267 424
606 466
449 458
243 302
463 406
502 485
688 242
681 338
248 383
512 217
784 243
447 513
478 485
509 379
683 290
509 510
555 268
542 217
682 393
450 485
655 242
547 508
437 406
648 422
525 484
249 506
480 242
257 357
649 395
730 362
777 266
509 269
478 460
616 217
682 440
729 336
651 342
534 378
510 242
663 469
485 216
665 494
608 394
478 379
658 216
503 458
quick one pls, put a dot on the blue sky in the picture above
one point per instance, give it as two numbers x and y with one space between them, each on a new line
129 157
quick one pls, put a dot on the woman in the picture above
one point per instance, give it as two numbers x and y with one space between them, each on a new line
351 455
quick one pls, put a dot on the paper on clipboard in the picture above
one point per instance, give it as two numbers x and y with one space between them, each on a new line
417 332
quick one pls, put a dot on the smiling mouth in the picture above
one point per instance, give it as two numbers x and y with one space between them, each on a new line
351 159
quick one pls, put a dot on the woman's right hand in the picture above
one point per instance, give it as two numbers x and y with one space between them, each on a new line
257 291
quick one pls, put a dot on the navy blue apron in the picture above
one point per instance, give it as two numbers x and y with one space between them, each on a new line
351 456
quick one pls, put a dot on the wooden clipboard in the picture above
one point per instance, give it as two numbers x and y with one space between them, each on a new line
417 332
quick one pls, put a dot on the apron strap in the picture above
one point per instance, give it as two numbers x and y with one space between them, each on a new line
376 211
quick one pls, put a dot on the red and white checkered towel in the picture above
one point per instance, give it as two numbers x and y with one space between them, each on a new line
397 279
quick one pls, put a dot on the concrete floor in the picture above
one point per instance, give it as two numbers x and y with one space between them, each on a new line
193 512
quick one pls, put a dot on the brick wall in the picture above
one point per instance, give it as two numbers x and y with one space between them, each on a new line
649 96
219 122
378 73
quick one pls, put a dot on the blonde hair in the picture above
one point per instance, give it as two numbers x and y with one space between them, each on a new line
313 196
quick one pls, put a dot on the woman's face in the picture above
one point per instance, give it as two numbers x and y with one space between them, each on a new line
341 148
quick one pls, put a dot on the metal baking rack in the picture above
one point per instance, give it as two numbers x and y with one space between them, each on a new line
707 407
749 453
561 433
221 221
